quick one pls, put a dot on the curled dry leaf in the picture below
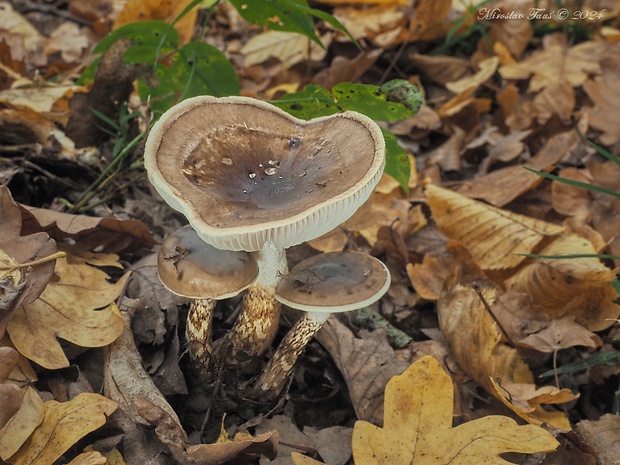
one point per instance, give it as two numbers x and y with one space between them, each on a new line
603 436
30 414
78 307
63 425
10 394
89 458
20 285
561 334
473 339
418 427
579 287
125 379
242 450
493 236
366 363
109 235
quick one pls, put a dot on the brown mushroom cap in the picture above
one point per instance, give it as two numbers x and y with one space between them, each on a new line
334 282
189 267
246 173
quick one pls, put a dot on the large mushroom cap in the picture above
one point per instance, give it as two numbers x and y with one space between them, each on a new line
245 172
189 267
334 282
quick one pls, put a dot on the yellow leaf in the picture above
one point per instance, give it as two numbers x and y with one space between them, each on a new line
89 458
299 459
487 66
418 427
473 339
78 307
492 236
579 287
63 425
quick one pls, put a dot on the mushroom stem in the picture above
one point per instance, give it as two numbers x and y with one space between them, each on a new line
280 366
257 325
198 332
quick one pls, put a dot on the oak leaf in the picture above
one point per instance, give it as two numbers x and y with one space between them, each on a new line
63 425
418 428
78 307
493 236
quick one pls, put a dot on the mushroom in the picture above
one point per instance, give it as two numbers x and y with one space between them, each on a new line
249 176
189 267
327 283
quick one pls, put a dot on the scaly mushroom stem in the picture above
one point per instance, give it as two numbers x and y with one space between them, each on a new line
257 325
198 332
276 373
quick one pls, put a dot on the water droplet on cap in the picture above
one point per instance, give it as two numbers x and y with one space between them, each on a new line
270 171
252 175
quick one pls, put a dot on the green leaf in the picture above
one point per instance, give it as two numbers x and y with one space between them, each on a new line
397 162
150 39
312 102
369 100
604 358
160 89
202 69
278 15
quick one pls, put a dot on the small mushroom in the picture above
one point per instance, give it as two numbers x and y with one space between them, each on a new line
249 176
189 267
327 283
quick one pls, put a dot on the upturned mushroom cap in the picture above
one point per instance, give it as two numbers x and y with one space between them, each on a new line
189 267
246 173
334 282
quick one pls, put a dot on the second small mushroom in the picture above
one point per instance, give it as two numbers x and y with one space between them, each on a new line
327 283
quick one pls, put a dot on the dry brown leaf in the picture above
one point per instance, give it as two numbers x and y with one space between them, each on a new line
491 235
63 425
487 68
418 427
69 40
30 414
570 200
343 69
10 394
557 63
429 20
243 449
366 363
110 235
89 458
579 287
289 48
125 378
502 186
603 436
604 92
385 25
513 33
20 285
473 339
606 208
78 307
15 23
333 444
561 333
165 10
442 69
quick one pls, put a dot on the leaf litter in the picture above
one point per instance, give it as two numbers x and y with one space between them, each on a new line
511 100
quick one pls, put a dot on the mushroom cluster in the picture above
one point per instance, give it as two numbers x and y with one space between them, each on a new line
253 180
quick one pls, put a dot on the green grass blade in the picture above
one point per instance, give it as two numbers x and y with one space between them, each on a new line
571 182
606 358
605 153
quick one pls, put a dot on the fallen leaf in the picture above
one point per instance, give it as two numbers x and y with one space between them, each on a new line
570 200
126 380
10 394
333 443
385 25
579 287
289 48
366 363
442 69
78 307
30 414
487 69
89 458
165 10
473 339
561 333
557 63
492 236
69 40
110 235
242 450
418 427
63 425
603 436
